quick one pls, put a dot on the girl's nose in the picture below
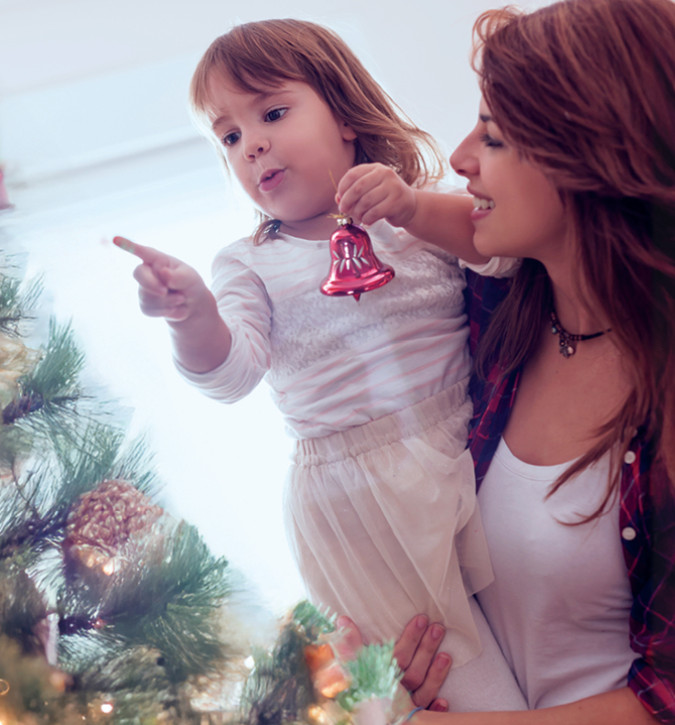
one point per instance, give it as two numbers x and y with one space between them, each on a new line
255 147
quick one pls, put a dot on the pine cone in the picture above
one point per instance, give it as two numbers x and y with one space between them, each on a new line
103 520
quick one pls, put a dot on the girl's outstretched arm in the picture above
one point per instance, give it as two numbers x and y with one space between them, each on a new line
173 290
369 192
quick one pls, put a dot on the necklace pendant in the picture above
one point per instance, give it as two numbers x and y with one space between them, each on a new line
567 341
566 349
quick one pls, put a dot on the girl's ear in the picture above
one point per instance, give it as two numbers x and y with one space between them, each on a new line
348 133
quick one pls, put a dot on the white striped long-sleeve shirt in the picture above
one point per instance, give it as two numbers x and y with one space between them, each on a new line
333 362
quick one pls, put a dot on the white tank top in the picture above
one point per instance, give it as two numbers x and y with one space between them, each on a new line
559 605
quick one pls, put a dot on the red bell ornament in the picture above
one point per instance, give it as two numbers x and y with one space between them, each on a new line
354 266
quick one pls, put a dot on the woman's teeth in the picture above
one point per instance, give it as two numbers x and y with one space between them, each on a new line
483 203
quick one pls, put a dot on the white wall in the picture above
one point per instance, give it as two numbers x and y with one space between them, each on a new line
96 141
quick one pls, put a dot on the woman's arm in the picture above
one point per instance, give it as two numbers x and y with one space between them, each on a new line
369 192
619 707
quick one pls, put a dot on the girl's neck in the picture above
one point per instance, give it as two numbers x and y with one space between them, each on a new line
319 227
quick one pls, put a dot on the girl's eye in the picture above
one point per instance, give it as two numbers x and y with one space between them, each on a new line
231 138
275 114
491 142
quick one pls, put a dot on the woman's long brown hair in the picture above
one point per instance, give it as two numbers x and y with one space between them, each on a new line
586 90
263 54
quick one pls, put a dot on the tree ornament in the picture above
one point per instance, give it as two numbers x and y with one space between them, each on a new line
102 522
354 267
15 360
328 675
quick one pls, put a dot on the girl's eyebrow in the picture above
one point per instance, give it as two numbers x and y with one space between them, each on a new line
485 117
262 96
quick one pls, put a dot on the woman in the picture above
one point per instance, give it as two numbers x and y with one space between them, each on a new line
572 164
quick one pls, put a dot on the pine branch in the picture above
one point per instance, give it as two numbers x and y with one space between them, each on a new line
374 674
167 593
52 386
56 375
36 694
21 606
279 688
16 304
34 507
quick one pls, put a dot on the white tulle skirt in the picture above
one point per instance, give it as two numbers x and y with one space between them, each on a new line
384 525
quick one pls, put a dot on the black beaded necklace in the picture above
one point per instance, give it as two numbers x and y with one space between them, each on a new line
567 342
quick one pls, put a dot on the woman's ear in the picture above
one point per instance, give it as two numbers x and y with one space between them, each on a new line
348 133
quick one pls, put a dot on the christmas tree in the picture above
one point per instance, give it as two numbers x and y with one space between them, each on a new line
111 610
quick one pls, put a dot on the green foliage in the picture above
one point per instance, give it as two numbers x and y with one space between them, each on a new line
55 377
312 621
139 637
167 594
21 606
374 673
17 301
279 689
31 690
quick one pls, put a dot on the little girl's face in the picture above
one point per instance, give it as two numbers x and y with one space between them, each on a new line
286 148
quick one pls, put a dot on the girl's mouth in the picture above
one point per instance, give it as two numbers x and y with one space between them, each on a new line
271 179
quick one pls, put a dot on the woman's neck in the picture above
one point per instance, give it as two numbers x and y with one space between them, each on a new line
576 307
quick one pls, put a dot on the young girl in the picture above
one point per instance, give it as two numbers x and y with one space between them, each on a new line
375 391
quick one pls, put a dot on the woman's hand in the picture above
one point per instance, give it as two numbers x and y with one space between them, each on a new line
424 669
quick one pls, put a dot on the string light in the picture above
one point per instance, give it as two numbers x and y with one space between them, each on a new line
109 567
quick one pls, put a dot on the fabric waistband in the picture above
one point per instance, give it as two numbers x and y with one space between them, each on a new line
388 429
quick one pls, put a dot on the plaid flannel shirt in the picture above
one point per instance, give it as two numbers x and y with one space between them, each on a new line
646 519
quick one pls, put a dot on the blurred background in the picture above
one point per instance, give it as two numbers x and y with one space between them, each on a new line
95 141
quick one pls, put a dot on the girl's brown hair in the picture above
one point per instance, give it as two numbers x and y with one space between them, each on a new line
263 54
585 89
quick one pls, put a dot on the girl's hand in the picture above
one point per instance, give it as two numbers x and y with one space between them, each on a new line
424 670
167 287
369 192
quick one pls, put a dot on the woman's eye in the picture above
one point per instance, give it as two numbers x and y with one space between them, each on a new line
275 114
491 142
230 138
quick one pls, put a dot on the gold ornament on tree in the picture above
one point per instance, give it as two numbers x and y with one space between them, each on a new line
15 360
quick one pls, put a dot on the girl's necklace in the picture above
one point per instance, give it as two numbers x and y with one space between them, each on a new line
567 342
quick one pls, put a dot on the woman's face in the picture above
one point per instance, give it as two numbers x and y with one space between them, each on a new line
517 209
